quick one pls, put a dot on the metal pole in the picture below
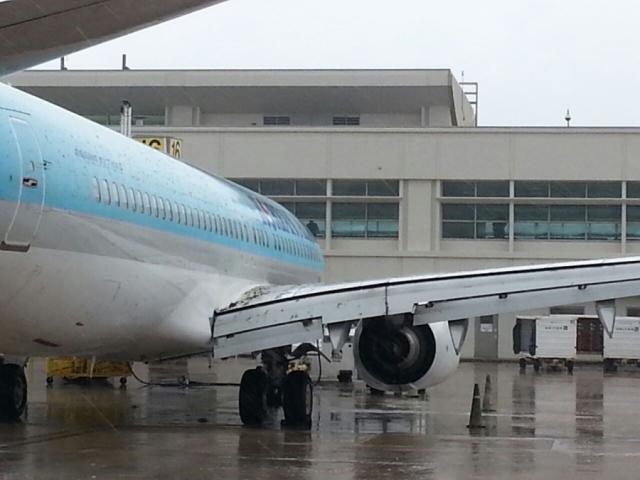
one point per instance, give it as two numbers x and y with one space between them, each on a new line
125 118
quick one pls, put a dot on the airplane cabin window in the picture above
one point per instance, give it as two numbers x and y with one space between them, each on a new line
139 201
132 199
201 220
95 187
175 212
183 214
124 203
104 192
168 210
146 203
115 198
161 211
154 205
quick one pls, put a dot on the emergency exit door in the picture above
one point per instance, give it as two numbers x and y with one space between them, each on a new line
31 188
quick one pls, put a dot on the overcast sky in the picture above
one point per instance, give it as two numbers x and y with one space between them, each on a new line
533 59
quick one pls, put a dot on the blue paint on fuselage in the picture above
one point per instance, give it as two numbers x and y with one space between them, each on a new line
78 152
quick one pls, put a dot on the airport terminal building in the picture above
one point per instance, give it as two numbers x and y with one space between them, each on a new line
389 170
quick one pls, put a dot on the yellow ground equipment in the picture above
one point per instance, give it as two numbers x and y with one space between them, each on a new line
79 368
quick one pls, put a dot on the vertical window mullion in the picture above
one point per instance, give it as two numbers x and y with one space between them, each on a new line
475 221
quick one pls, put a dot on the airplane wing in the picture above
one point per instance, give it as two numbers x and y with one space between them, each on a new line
265 317
34 31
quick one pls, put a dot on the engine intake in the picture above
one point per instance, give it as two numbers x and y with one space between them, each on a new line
393 354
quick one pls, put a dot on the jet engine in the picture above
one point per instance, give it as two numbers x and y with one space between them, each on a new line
393 354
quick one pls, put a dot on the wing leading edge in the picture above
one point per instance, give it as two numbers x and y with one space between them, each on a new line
34 31
266 317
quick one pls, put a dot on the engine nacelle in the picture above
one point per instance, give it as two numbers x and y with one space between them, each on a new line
393 354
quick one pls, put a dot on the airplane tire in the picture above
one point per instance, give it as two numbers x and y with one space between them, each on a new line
297 400
251 400
13 391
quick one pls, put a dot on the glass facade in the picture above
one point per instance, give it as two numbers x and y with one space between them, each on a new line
540 217
475 221
363 216
312 215
365 220
285 187
475 188
271 120
538 189
366 188
350 120
567 222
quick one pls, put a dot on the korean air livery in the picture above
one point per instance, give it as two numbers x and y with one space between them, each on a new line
112 250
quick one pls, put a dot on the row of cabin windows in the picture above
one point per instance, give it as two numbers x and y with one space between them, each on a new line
112 193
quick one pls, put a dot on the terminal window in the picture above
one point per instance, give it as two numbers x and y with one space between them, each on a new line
557 189
271 120
312 215
633 222
365 220
633 189
285 187
350 120
371 210
567 222
475 188
366 188
471 221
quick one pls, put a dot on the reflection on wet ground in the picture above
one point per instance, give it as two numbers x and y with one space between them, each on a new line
548 425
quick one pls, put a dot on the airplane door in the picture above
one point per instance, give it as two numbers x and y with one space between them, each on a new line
31 184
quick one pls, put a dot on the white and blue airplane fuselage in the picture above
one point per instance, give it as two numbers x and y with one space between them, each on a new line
112 249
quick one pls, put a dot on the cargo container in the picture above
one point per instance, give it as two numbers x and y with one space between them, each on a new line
624 346
546 340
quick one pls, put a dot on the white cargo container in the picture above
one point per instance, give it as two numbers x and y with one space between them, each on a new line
624 346
546 339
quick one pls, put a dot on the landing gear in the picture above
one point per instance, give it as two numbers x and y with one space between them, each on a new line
252 401
297 399
269 387
13 391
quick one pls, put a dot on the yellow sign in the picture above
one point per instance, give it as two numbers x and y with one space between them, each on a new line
170 146
157 143
175 148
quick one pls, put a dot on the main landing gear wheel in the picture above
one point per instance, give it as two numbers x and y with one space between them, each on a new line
13 391
252 399
297 400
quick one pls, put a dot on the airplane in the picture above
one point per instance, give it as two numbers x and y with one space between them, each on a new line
113 250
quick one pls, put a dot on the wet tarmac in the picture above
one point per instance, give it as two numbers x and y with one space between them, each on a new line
546 426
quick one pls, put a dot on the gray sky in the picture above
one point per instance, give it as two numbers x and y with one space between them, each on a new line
532 58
